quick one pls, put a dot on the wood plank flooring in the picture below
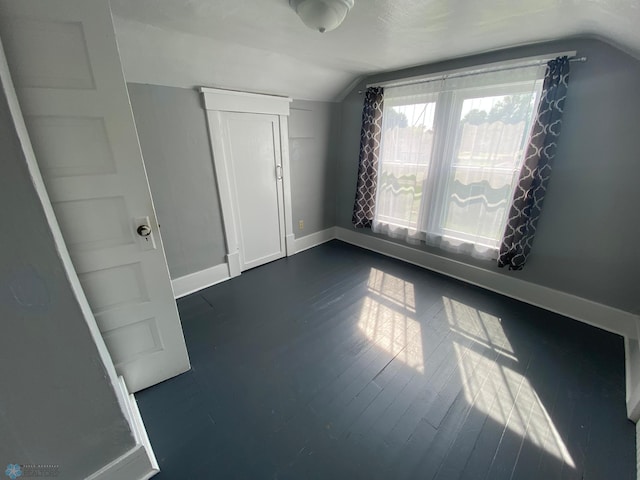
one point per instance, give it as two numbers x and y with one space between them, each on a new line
341 363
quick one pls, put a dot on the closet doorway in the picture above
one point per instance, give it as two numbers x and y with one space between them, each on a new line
249 142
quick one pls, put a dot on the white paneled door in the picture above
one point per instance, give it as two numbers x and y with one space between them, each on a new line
249 139
64 62
252 144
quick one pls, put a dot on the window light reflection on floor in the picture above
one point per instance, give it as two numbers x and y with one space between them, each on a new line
388 318
488 365
496 388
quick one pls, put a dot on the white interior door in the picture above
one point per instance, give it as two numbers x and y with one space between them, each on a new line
64 62
249 140
252 145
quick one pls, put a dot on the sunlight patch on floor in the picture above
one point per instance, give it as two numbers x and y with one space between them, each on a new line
388 319
482 328
392 289
496 388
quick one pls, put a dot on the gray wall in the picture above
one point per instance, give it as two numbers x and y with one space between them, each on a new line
56 404
313 128
587 237
173 134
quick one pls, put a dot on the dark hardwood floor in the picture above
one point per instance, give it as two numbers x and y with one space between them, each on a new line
341 363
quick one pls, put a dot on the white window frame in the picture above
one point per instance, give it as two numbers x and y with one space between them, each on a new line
448 105
450 142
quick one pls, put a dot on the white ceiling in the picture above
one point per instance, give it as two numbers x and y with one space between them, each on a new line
261 45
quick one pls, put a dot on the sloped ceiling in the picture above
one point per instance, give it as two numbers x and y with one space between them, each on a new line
262 46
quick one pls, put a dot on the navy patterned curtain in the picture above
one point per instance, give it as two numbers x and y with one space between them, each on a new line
364 205
536 169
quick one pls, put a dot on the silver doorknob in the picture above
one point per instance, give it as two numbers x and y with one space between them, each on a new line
144 230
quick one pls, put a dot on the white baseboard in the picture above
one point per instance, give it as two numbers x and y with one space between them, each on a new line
133 465
638 451
197 281
632 380
314 239
140 462
233 261
137 425
290 244
632 377
596 314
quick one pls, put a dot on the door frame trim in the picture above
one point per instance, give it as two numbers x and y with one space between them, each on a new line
216 101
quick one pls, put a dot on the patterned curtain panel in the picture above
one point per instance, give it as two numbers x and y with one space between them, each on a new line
536 169
364 205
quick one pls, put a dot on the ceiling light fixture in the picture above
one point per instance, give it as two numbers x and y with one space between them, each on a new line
322 15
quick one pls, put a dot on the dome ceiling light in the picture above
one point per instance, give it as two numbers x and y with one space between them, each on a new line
322 15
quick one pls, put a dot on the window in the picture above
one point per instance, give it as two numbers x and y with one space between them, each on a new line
450 154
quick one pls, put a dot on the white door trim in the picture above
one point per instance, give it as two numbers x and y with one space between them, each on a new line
217 100
225 191
288 214
234 101
141 458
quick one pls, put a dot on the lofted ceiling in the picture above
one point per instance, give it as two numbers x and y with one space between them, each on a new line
262 46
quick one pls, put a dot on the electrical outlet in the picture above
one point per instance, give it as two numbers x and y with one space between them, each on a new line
301 224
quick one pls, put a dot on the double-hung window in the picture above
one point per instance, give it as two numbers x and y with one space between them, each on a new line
450 155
